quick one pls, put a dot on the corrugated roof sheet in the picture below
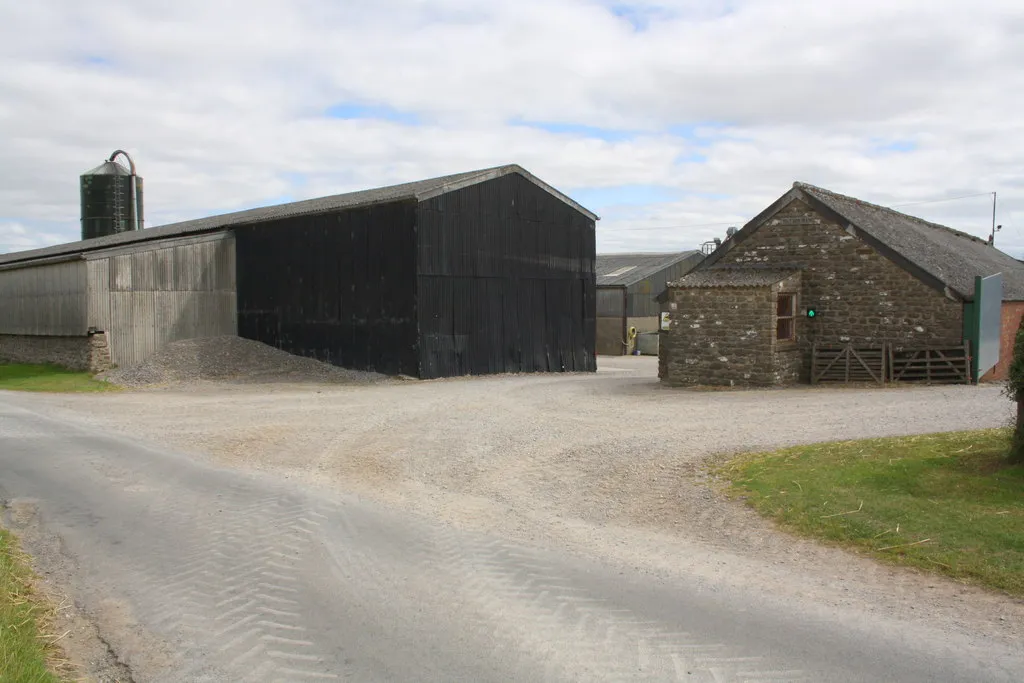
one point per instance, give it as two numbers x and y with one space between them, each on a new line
951 256
627 269
725 276
419 190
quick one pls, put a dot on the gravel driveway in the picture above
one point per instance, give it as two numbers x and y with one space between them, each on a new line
610 465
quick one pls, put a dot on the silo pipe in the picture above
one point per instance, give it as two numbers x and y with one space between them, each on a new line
137 223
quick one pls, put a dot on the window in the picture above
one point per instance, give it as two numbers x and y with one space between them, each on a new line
785 317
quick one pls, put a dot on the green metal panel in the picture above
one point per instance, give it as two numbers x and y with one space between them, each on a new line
983 324
988 302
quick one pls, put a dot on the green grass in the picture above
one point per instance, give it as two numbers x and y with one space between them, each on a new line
23 652
946 503
48 378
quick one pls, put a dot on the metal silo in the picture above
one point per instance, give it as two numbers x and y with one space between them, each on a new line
111 198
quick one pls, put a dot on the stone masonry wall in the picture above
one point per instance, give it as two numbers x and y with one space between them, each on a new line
718 336
860 296
725 336
90 353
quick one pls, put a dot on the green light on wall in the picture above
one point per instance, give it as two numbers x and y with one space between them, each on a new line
811 312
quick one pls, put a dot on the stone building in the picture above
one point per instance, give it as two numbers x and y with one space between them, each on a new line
817 270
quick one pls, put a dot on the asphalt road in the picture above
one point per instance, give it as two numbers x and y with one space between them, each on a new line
220 575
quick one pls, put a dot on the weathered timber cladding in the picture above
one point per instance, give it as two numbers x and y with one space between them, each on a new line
339 287
861 297
148 295
725 336
48 299
505 281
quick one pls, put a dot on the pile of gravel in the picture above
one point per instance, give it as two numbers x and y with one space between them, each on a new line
231 359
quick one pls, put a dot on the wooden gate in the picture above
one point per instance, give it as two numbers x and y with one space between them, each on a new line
933 365
831 363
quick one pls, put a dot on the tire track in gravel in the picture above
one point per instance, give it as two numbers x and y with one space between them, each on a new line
535 607
239 592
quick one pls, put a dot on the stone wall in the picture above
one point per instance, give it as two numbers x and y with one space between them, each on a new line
860 296
89 353
725 336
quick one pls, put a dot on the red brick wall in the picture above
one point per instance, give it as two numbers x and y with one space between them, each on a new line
1012 313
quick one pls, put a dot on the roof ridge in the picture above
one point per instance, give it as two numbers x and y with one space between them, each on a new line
451 177
814 188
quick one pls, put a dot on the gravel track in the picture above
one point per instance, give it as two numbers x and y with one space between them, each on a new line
609 465
195 574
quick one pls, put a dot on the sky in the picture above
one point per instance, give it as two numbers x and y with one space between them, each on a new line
672 120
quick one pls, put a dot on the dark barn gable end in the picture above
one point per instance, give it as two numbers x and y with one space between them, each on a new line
505 281
875 279
488 271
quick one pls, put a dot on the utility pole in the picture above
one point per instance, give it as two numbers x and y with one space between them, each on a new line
995 228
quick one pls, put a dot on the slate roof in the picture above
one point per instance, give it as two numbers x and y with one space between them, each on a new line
940 256
419 190
731 276
626 269
952 256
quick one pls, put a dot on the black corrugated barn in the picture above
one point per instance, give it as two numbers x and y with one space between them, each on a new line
482 272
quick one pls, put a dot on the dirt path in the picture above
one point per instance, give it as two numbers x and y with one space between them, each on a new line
608 465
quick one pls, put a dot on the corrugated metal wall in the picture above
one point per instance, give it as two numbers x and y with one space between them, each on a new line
157 292
640 296
611 302
45 299
611 320
338 287
506 282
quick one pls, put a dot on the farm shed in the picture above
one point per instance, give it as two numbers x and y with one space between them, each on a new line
474 273
821 286
627 287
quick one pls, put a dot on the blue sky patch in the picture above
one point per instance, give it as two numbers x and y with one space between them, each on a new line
702 133
893 146
640 16
350 110
579 129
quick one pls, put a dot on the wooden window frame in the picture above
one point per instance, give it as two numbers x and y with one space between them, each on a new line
783 318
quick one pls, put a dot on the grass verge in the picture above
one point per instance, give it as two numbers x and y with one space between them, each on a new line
945 503
17 377
23 651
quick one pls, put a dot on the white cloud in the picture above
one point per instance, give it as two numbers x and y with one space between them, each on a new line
16 237
223 108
